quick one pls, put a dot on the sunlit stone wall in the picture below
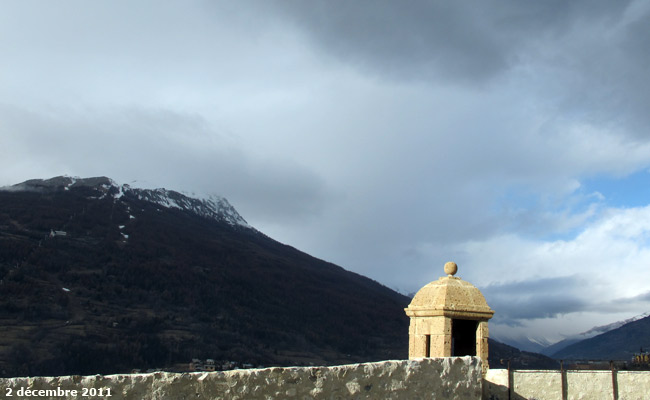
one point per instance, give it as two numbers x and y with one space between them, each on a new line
432 378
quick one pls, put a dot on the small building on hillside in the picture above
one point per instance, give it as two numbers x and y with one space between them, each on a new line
54 233
641 359
196 365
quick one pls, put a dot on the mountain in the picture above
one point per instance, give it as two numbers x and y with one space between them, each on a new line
616 344
543 346
525 343
97 277
500 353
214 207
557 347
597 330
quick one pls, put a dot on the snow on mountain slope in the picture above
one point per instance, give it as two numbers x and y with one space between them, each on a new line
597 330
213 207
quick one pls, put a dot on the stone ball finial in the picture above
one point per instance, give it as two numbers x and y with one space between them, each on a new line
451 268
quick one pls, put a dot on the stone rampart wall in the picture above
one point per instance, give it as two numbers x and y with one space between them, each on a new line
583 385
432 378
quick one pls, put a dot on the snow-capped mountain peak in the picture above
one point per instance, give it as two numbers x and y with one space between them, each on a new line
597 330
213 207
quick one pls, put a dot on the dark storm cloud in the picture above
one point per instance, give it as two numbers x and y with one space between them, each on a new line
549 298
471 42
535 298
630 70
588 60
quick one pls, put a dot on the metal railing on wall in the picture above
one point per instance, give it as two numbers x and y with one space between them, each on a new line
591 365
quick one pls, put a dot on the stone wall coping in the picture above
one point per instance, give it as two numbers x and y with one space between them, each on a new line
448 377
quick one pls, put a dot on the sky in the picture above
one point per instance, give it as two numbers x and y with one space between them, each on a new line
388 137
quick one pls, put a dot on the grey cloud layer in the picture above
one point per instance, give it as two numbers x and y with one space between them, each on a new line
158 148
545 298
539 298
591 56
433 39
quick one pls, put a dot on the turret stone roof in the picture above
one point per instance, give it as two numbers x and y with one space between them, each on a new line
449 296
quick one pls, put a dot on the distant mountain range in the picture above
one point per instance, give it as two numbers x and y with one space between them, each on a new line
526 343
620 343
581 346
595 331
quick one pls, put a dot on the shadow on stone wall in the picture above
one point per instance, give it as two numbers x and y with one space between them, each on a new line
501 391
